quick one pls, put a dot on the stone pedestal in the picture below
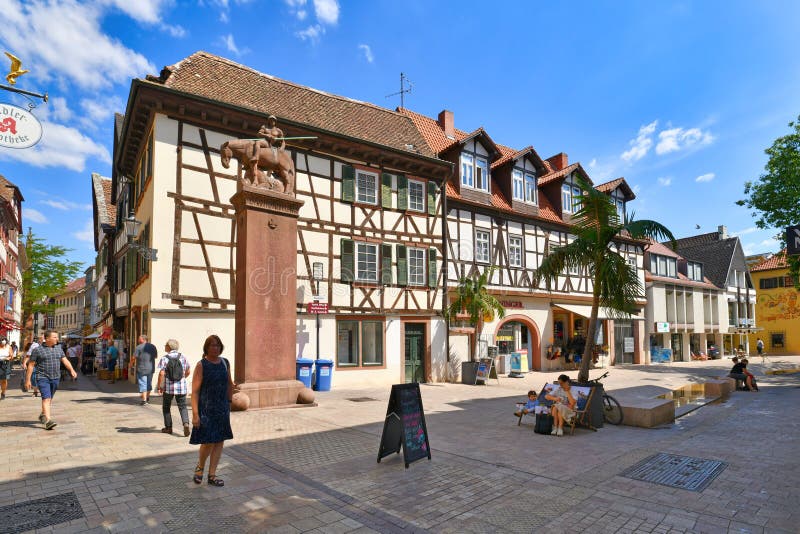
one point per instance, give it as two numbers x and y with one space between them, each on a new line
266 296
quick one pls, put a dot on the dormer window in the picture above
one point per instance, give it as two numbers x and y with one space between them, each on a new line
619 202
474 172
570 198
525 187
694 271
663 266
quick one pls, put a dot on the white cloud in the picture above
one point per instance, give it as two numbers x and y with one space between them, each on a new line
34 215
99 109
65 205
746 231
69 43
148 12
55 109
642 144
705 177
61 146
665 181
297 8
224 6
230 44
367 52
312 33
767 245
86 233
593 163
674 139
327 11
636 189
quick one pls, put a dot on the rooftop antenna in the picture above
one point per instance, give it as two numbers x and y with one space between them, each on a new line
403 90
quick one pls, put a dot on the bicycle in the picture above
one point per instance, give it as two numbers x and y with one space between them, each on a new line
612 411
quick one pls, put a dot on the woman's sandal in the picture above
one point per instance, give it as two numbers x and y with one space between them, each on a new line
214 481
198 474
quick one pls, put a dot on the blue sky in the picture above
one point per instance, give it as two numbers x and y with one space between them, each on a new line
680 98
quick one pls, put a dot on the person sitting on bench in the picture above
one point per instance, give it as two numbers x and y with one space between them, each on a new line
739 372
563 405
529 406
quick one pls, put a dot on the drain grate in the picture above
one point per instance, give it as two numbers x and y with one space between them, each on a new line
684 472
40 513
362 399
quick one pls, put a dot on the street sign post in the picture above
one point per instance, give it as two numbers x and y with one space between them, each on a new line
317 307
793 240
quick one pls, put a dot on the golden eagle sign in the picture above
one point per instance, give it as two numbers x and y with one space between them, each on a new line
18 127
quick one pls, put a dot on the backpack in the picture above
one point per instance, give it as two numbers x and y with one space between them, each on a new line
174 370
544 423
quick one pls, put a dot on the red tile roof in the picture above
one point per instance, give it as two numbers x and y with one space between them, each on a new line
431 131
216 78
557 175
682 280
613 184
75 285
657 248
106 211
777 261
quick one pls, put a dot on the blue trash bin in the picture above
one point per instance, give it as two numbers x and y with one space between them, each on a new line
324 371
304 366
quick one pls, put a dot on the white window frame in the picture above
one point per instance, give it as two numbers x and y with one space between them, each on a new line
483 247
531 186
363 248
362 193
416 278
620 205
411 203
632 261
515 251
467 170
482 164
519 184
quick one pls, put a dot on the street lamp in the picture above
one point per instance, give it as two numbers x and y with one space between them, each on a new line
317 273
132 227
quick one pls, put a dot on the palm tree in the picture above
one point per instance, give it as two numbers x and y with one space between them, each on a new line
473 298
615 283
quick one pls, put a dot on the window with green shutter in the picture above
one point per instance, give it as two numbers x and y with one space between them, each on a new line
348 183
432 267
386 265
386 190
432 187
402 192
348 262
402 265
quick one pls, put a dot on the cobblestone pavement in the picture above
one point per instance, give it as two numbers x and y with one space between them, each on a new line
107 467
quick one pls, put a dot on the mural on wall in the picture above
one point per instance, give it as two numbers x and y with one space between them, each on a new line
781 306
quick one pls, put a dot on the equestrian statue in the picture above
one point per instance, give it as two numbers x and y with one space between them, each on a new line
262 158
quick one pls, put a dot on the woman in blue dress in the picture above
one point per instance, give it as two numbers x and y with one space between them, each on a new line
212 390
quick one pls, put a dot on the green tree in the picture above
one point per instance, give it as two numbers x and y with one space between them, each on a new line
615 283
48 272
775 196
473 298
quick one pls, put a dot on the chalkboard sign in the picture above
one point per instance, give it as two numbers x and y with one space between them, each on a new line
404 426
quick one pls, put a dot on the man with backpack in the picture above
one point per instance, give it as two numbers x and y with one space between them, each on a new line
173 368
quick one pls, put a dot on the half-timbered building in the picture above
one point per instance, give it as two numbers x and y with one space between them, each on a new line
370 227
505 209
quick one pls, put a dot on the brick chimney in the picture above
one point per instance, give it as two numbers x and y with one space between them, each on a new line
446 122
723 232
559 161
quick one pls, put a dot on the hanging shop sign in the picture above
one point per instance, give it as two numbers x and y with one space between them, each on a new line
18 127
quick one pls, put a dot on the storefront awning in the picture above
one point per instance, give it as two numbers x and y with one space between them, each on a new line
603 313
92 336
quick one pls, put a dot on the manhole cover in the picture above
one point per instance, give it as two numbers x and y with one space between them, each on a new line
362 399
685 472
40 513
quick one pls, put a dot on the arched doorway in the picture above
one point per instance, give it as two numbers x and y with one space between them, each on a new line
519 332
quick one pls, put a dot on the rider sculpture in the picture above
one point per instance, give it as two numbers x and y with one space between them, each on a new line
261 158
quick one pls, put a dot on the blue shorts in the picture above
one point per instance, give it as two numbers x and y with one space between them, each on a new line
145 382
47 387
112 364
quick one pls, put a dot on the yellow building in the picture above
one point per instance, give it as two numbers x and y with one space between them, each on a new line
777 306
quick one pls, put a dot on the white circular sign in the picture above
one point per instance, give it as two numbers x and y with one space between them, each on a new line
18 127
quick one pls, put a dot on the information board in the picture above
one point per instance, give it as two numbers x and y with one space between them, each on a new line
404 426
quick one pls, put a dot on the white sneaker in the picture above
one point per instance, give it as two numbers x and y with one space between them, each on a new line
560 432
553 432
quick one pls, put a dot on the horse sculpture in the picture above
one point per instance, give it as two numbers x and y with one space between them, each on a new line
257 155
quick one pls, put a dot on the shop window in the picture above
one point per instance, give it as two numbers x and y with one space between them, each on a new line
359 344
777 340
